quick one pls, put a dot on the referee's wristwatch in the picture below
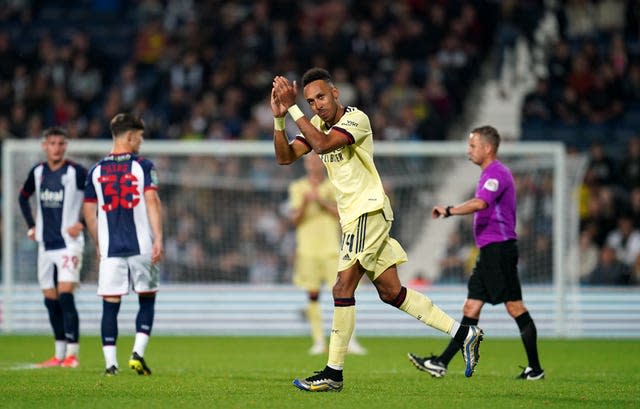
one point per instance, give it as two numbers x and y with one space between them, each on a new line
447 211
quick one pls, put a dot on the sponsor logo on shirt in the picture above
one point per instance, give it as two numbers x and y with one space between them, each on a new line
491 185
335 156
52 198
118 157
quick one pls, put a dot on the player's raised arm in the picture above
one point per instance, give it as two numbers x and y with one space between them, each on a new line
286 152
322 97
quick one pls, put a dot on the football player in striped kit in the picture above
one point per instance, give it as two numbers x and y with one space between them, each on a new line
58 184
124 218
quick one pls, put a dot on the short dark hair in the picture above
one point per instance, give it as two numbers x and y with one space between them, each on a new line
55 130
315 74
490 135
124 122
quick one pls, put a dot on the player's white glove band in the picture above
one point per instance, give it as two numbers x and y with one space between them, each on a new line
295 112
278 123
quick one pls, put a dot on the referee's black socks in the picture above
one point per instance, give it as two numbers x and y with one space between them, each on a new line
529 336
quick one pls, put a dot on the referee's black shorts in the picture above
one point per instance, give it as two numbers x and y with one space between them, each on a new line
495 275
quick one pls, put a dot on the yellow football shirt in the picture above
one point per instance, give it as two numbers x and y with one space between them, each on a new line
351 169
318 233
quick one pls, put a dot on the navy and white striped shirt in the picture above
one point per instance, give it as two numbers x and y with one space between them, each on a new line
117 184
59 197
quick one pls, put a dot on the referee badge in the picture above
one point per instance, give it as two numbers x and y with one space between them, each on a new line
491 185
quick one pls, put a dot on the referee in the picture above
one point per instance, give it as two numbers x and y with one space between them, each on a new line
495 276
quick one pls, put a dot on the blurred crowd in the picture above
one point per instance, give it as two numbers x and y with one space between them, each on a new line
590 89
203 69
589 98
608 251
234 225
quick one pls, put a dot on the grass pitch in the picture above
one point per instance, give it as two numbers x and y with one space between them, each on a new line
233 372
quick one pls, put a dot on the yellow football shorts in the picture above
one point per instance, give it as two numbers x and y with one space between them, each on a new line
367 240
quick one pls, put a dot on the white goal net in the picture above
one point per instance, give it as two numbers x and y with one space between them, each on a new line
226 221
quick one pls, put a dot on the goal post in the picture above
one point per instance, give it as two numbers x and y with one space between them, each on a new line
226 215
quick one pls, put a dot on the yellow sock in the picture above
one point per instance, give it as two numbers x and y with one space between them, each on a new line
421 307
344 320
314 315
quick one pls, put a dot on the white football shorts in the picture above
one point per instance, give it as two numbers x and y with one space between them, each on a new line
118 274
68 262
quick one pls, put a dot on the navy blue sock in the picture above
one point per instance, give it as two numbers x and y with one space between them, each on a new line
55 318
70 313
144 319
109 326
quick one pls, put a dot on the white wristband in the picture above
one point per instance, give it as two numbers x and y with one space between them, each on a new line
278 123
295 112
